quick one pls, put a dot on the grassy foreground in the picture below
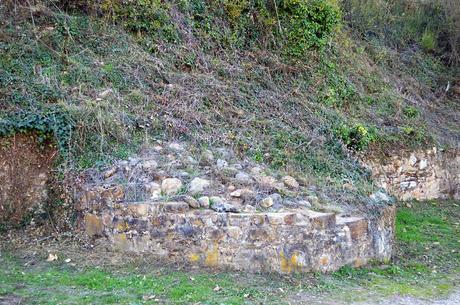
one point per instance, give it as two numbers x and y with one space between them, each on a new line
427 264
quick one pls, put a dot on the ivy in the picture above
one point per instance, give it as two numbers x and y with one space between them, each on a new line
49 121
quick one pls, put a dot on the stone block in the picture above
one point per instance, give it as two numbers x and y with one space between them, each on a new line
93 225
174 207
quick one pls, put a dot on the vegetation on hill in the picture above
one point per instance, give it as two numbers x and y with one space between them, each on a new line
297 84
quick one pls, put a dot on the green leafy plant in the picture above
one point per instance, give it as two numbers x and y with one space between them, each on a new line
428 40
142 16
48 122
309 24
357 137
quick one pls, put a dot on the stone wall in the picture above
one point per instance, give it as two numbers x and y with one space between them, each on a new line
228 213
285 242
420 175
25 166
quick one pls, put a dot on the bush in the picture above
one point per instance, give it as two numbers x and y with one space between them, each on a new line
308 24
357 137
428 41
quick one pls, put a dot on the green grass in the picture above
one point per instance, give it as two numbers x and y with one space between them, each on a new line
427 240
59 283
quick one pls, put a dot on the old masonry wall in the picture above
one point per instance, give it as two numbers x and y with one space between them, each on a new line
420 175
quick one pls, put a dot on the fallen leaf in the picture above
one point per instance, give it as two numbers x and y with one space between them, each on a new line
217 288
52 257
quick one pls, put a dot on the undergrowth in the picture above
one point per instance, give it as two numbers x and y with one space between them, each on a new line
284 82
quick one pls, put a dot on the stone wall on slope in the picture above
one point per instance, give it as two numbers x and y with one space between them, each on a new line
421 175
218 211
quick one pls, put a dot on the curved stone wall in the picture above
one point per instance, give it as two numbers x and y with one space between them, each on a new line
228 213
290 241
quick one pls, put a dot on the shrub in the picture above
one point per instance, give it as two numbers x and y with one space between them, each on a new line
308 24
150 17
428 40
357 137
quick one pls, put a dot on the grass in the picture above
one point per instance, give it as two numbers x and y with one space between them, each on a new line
427 241
122 89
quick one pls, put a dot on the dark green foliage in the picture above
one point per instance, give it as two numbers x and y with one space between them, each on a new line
50 121
148 17
357 137
308 24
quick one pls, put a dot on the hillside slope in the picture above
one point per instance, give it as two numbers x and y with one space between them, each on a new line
104 79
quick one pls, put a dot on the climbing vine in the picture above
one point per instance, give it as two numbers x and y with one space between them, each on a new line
50 122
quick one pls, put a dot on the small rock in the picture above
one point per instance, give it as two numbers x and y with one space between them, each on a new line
266 202
158 148
267 182
236 193
149 165
277 199
221 163
380 197
249 209
207 156
110 172
290 182
176 147
244 193
304 203
257 170
198 185
231 188
216 199
238 166
243 178
192 202
154 189
223 207
204 202
171 186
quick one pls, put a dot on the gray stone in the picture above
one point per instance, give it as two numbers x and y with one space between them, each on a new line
266 202
237 166
216 199
171 186
222 207
149 165
304 203
204 202
192 202
198 185
276 198
221 164
380 197
176 147
243 178
290 182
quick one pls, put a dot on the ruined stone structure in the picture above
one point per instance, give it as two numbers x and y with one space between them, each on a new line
420 175
289 241
226 214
